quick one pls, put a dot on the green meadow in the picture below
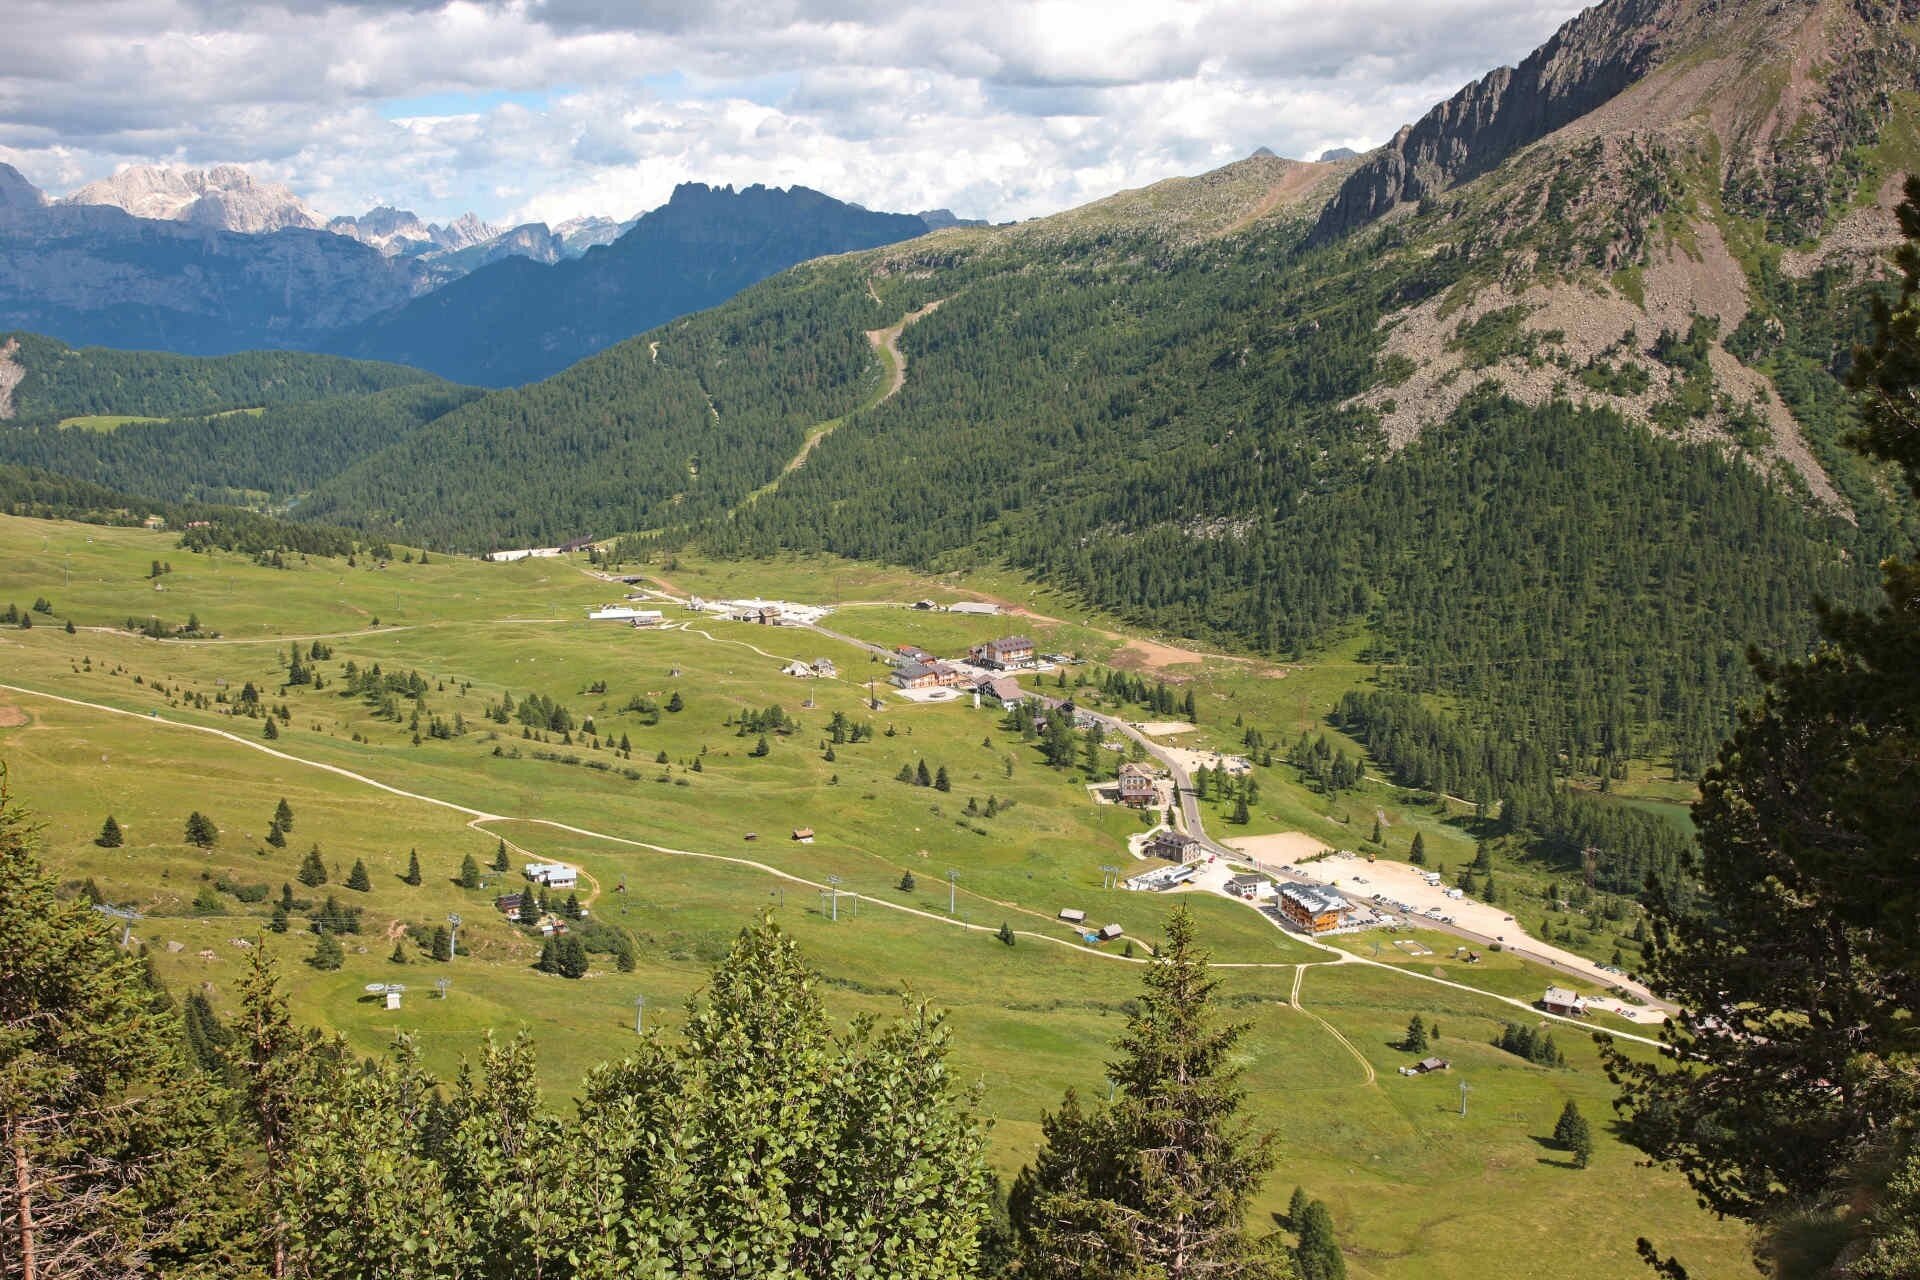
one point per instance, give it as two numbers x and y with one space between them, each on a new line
661 832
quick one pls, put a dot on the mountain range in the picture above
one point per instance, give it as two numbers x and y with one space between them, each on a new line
1522 395
207 262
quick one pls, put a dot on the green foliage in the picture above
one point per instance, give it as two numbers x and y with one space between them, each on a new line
1318 1256
1536 1046
114 1157
61 382
358 879
413 867
313 871
110 836
469 872
1573 1134
201 831
1416 1037
1155 1182
564 954
327 953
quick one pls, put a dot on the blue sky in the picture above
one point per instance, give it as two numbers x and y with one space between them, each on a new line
549 109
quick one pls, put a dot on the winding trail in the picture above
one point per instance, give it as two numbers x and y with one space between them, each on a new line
886 344
1299 977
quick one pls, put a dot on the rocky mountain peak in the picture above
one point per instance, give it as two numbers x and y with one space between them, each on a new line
16 192
225 197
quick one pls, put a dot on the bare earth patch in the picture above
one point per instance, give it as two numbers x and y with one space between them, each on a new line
1706 281
10 375
1280 847
1165 728
11 717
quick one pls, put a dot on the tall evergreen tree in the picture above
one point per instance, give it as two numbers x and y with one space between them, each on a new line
200 830
1794 1060
500 862
110 836
1157 1181
283 814
327 952
313 870
469 873
114 1162
413 867
1318 1256
358 878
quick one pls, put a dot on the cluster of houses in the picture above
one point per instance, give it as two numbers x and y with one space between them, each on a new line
539 553
521 907
1078 919
818 669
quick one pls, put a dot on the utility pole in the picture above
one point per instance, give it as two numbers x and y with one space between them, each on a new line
1463 1097
441 984
953 881
639 1014
453 933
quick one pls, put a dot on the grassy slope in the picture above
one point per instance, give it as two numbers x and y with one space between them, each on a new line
1416 1190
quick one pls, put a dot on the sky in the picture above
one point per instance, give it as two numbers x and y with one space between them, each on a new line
543 110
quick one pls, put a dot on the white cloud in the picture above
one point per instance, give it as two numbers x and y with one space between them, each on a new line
547 109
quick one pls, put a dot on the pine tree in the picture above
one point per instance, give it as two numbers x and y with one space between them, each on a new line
276 836
906 882
1418 854
1241 814
399 955
327 953
1416 1041
940 780
271 730
112 1148
110 836
1006 933
469 873
1156 1182
921 776
358 879
1297 1208
674 702
313 871
413 867
201 831
500 862
1375 837
1318 1256
442 946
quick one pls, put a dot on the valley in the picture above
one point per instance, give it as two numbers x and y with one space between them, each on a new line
112 722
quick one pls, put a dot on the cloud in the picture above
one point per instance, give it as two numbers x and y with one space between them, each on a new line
548 109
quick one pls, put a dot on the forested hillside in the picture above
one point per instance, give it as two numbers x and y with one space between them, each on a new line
272 455
50 380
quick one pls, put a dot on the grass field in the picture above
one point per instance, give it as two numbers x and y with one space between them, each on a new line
1417 1190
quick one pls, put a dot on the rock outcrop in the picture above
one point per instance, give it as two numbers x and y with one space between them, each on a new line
225 197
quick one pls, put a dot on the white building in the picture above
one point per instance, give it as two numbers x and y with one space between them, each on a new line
554 875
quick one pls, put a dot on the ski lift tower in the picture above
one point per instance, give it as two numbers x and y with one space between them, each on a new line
453 933
125 915
1109 876
953 884
441 985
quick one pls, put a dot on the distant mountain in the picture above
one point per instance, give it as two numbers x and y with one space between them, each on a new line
577 235
225 197
517 320
94 273
400 231
1332 154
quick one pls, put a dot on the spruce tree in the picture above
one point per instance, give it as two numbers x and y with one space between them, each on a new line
271 730
921 776
1317 1256
276 836
906 882
940 780
442 946
358 879
1297 1208
1418 854
283 814
413 867
313 871
469 873
500 862
399 955
1416 1041
1006 933
113 1149
110 836
1157 1181
327 953
201 831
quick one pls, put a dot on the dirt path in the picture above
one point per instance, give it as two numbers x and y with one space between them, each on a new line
1299 978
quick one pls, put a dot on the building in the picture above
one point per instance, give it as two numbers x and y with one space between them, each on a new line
510 905
803 834
577 544
1312 909
915 675
1564 1002
824 668
765 615
1163 877
1008 651
1174 846
554 875
627 613
1426 1066
911 653
1246 885
1137 785
1003 689
799 669
1110 932
979 608
1073 915
946 675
